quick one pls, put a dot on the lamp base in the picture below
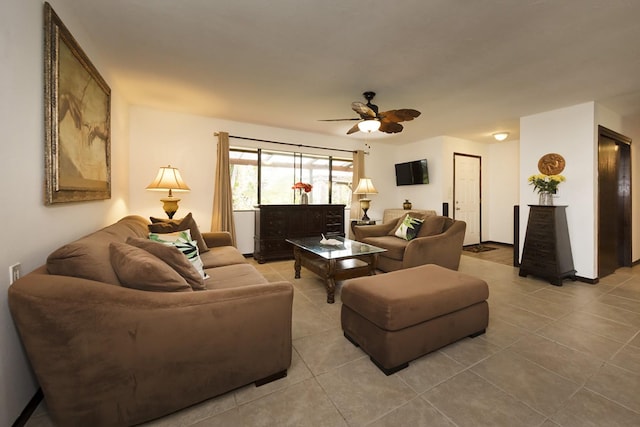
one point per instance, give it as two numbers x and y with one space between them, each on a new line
170 206
365 204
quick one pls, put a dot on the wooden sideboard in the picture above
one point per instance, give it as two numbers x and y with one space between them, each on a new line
547 249
275 223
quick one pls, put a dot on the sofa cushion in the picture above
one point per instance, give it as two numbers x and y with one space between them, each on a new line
138 269
409 228
89 257
222 255
165 225
233 276
395 247
173 257
182 240
432 225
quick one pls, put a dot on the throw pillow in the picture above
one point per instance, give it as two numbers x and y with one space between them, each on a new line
173 257
432 225
182 240
409 228
138 269
401 219
165 225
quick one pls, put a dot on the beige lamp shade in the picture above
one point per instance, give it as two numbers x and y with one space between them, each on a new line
169 178
365 186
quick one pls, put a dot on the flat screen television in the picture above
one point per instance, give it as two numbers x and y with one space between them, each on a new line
411 173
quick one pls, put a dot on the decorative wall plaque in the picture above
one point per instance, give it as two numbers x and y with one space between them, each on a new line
551 164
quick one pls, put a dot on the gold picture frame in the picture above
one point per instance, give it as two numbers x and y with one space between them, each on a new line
77 120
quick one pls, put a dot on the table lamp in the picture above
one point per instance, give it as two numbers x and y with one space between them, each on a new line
169 178
365 186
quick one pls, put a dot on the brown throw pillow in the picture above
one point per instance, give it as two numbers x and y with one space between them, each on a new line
138 269
173 257
165 225
432 225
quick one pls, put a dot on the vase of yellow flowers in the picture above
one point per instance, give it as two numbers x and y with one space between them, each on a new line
546 186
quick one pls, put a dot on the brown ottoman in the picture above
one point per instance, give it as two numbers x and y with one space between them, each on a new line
399 316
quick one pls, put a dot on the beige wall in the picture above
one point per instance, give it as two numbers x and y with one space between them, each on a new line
33 230
572 132
155 138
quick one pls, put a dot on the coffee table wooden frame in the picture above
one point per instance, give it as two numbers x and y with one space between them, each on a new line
333 269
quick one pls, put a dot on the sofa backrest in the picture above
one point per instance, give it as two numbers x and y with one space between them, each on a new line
89 258
393 214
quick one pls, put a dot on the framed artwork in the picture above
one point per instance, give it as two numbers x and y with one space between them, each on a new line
77 120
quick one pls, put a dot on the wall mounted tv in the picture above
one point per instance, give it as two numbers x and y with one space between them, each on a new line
411 173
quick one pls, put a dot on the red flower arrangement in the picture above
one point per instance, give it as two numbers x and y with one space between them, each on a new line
302 186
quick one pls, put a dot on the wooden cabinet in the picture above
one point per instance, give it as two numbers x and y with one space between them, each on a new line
547 249
275 223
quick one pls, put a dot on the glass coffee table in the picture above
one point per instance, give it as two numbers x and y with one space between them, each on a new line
347 260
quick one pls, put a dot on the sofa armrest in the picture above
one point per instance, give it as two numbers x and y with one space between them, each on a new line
443 249
109 355
362 231
214 239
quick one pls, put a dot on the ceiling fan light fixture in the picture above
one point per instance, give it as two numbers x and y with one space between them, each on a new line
369 126
500 136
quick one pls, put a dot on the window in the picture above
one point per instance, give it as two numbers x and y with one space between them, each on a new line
244 178
265 177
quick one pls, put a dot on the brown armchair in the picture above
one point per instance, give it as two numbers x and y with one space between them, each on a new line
439 242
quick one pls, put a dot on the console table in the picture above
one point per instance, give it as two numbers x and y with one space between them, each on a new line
547 249
276 223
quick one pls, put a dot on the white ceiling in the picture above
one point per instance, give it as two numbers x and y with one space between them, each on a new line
472 67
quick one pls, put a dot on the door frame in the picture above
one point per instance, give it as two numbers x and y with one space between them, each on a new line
624 242
479 189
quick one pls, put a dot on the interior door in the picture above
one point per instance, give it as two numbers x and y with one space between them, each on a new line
614 201
466 195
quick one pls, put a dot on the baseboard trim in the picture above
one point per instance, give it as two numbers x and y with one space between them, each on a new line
29 409
493 242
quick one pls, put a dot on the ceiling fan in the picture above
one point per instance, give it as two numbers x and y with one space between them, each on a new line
388 121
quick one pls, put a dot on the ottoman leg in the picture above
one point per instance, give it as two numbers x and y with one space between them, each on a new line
375 362
477 334
389 371
351 340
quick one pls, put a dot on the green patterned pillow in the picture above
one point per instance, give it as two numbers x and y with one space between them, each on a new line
182 240
409 228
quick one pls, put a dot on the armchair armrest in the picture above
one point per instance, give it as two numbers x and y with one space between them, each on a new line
214 239
443 249
109 355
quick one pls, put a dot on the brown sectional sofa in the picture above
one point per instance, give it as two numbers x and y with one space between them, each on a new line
105 354
439 242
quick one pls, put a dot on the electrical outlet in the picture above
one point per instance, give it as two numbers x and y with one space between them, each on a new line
14 272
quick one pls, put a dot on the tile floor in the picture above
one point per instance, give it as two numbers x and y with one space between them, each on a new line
552 356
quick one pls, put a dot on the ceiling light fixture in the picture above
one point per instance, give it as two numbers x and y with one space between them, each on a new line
501 136
369 126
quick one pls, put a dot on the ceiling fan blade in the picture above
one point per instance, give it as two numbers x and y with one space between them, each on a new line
338 120
390 127
353 129
364 111
402 115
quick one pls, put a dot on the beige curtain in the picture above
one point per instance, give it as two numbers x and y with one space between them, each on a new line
358 172
222 218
